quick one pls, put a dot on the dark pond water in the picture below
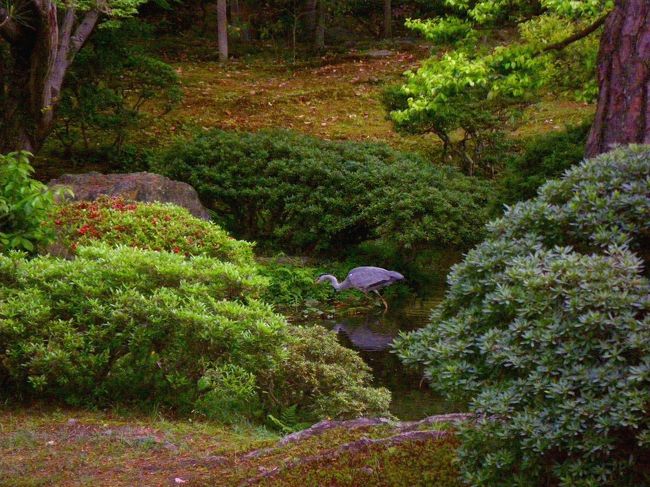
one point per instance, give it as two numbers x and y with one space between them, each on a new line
371 333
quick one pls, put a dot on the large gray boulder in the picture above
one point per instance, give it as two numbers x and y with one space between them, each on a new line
138 186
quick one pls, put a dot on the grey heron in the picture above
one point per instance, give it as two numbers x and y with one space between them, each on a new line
366 279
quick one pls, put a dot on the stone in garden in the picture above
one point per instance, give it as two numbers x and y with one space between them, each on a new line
139 186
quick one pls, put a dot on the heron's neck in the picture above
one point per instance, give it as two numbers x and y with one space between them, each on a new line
334 281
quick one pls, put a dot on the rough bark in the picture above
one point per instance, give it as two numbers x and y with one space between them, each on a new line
40 54
388 20
222 30
623 113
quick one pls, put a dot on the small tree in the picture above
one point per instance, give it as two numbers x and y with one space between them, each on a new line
107 88
557 48
545 331
222 30
41 40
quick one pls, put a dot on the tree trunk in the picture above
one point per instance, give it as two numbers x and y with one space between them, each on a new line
623 113
310 17
319 32
40 54
388 20
222 30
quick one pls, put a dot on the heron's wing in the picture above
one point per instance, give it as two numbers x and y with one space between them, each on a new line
365 278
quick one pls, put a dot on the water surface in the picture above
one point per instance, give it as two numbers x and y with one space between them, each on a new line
371 333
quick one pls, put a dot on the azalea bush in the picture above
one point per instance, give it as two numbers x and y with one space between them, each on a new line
24 205
142 327
304 195
153 226
545 331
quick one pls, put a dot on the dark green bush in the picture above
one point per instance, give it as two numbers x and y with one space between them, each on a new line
543 158
132 326
302 194
545 330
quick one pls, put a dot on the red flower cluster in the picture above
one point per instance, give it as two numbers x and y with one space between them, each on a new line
88 229
118 203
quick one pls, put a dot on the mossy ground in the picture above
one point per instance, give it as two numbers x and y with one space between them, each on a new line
44 446
335 97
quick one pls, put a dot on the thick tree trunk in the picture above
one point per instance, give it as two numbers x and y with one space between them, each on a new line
40 54
388 20
319 32
623 113
222 30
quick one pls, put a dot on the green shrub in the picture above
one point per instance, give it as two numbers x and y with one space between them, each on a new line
302 194
543 158
24 205
129 324
545 330
324 379
125 325
152 226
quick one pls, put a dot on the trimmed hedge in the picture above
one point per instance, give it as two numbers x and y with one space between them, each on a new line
302 194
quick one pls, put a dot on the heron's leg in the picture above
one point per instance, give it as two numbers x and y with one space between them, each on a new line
382 300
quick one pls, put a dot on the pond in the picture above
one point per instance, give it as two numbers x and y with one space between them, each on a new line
371 333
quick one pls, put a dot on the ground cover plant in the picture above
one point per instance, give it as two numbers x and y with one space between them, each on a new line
301 194
545 331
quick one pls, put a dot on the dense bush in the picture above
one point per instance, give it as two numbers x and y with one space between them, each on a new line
543 158
302 194
24 205
152 226
323 378
546 330
129 324
134 326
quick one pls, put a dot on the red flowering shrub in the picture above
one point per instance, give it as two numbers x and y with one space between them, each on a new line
152 226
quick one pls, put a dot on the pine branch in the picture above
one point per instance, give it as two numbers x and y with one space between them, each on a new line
558 46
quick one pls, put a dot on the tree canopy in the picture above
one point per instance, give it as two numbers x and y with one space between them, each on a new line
473 82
